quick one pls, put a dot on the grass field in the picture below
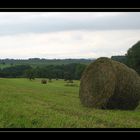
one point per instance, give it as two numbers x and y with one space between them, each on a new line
30 104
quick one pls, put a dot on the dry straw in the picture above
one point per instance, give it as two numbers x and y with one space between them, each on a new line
108 84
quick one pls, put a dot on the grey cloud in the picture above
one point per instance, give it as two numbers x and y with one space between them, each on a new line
42 24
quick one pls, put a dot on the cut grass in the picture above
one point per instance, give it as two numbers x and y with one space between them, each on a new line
30 104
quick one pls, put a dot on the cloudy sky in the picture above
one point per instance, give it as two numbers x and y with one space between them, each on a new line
67 34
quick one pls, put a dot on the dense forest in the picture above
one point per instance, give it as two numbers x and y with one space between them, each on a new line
120 58
68 71
43 68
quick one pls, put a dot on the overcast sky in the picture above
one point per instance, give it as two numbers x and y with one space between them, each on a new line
67 34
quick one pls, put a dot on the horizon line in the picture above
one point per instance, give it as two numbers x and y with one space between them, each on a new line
44 58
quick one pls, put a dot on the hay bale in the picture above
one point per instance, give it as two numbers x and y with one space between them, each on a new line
108 84
70 81
43 81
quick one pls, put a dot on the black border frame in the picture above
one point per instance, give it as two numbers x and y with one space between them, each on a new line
98 7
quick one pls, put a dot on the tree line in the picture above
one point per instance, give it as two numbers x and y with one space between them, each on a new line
42 61
71 71
131 58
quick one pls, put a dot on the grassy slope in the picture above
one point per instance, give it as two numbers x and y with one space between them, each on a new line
25 103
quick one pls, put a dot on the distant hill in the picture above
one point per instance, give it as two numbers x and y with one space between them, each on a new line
39 61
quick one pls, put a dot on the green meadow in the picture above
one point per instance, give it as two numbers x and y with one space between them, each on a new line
30 104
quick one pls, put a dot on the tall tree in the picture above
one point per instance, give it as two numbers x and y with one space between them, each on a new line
133 57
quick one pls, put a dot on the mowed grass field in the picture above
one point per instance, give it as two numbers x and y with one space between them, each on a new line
30 104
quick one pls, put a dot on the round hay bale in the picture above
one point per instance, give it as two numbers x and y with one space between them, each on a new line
43 81
108 84
70 81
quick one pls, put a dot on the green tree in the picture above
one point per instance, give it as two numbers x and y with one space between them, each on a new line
15 71
133 57
68 76
119 58
30 74
3 63
79 70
